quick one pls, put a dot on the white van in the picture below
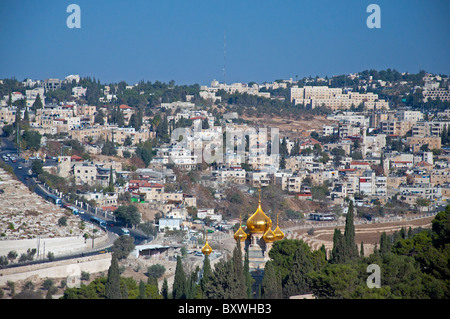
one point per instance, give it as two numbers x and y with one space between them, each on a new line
125 232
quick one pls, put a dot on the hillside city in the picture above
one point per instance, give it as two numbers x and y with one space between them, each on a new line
174 173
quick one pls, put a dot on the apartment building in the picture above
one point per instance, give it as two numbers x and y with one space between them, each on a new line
416 142
410 116
372 185
152 191
85 173
395 127
258 178
234 174
335 98
348 129
51 84
8 114
440 177
422 191
429 128
441 93
32 94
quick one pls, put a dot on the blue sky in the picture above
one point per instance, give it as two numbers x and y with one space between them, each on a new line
184 40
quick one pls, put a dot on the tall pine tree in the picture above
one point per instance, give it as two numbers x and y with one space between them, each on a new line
297 282
338 252
271 283
112 285
351 250
206 274
248 277
238 288
179 283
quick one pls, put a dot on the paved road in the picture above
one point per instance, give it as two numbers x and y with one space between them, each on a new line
22 170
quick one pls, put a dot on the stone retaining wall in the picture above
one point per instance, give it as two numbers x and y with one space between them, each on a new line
61 246
70 268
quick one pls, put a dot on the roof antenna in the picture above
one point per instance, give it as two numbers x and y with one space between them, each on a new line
224 57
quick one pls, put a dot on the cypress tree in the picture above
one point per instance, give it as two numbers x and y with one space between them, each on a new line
385 245
248 277
444 135
179 283
165 289
206 275
350 247
237 280
338 252
125 290
361 252
271 283
112 285
324 251
142 294
403 232
111 180
37 103
219 285
297 281
191 285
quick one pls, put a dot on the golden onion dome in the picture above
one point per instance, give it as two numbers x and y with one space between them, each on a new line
206 250
269 236
278 233
240 235
259 222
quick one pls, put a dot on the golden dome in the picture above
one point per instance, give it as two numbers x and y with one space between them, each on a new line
278 233
269 236
240 234
206 250
259 222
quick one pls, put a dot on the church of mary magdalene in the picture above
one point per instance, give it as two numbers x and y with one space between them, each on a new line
257 239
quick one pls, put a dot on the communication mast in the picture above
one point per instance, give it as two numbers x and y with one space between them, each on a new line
224 57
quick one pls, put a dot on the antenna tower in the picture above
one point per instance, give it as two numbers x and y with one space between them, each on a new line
224 57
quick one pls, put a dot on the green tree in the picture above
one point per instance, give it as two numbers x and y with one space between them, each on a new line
37 104
206 274
142 294
156 271
271 283
99 117
335 281
165 289
112 286
179 283
122 247
247 277
109 148
296 282
338 251
37 167
31 140
128 214
351 250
